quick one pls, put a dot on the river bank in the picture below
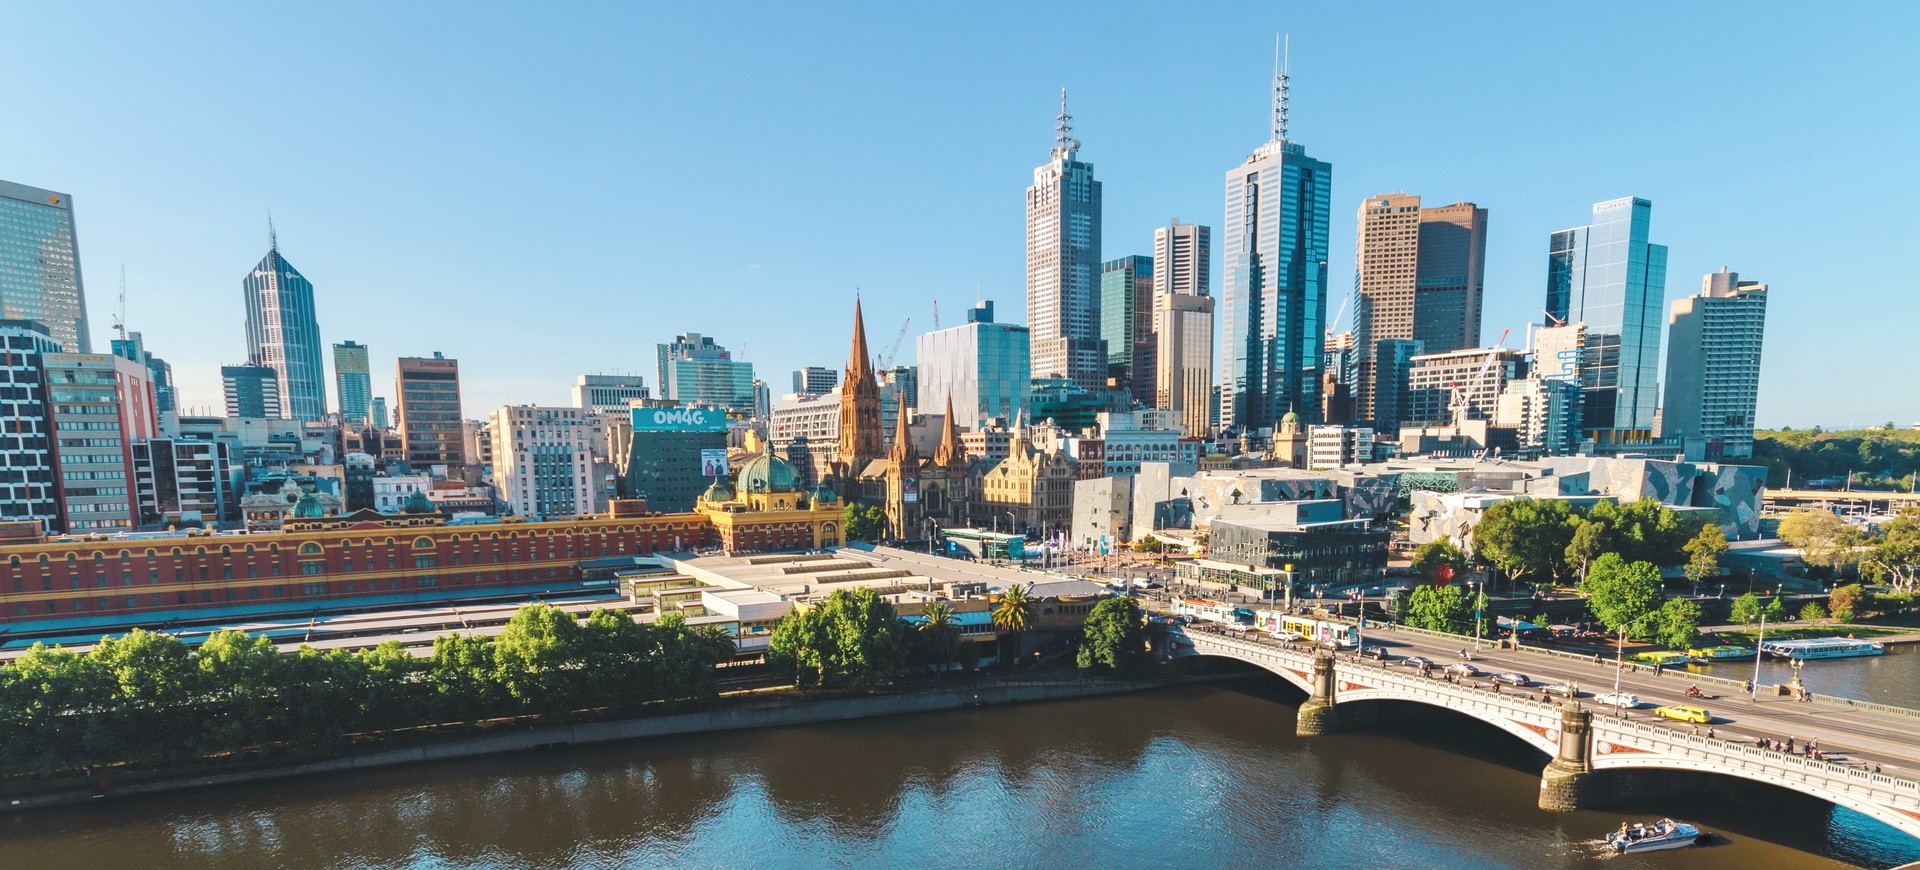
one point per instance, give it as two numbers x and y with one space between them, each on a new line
730 715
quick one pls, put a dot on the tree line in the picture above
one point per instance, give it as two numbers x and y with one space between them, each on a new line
150 699
1885 458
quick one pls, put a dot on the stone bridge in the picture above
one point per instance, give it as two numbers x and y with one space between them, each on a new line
1578 743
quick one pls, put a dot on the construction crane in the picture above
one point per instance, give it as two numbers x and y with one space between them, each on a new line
1460 396
886 362
120 311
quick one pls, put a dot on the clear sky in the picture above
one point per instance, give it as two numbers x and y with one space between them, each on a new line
542 190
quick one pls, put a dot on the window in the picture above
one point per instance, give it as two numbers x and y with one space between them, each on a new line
424 561
314 589
312 568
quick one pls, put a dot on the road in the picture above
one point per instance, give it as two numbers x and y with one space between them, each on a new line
1847 735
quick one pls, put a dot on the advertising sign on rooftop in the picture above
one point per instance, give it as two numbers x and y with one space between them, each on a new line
679 420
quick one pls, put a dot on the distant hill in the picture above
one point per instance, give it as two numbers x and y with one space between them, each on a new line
1875 458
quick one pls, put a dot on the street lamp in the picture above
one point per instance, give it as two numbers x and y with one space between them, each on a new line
1753 691
1479 616
1619 662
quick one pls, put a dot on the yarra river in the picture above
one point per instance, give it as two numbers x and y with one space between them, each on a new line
1193 776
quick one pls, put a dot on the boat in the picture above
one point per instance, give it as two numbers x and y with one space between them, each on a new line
1822 648
1663 834
1662 657
1705 654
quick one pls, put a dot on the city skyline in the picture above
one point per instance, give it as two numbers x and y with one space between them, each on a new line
372 269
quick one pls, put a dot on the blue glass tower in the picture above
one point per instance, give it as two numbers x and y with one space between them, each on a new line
1273 328
283 334
1609 277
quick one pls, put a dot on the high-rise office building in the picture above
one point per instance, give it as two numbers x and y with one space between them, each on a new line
1443 388
1126 321
1181 340
1275 261
542 460
1063 263
1713 366
28 488
101 404
695 370
1417 275
428 412
379 420
180 478
608 394
1609 277
815 381
983 365
251 391
353 382
673 456
40 251
133 347
283 334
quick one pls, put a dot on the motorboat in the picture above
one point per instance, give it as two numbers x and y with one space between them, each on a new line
1823 648
1663 834
1727 653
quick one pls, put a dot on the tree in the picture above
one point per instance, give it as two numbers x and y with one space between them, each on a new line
1775 611
1620 593
1148 544
1439 561
1589 541
853 638
1525 537
153 683
1013 615
1844 601
1746 609
1438 608
865 523
1704 551
538 655
1114 638
1822 537
239 678
465 679
1813 612
939 635
1893 555
1676 625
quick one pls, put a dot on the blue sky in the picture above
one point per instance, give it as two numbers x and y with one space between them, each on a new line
544 190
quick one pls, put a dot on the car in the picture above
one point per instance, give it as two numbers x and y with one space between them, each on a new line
1184 619
1144 583
1288 636
1417 662
1462 669
1566 689
1374 652
1684 713
1623 700
1513 679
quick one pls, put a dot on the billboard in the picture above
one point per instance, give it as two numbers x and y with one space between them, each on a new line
679 420
713 463
909 490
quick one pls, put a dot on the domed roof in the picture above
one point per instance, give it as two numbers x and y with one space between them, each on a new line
418 503
307 508
719 492
824 494
1290 418
767 473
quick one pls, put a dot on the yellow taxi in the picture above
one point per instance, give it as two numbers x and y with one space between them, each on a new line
1684 713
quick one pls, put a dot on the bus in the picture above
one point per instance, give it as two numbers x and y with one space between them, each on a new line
1212 611
1286 625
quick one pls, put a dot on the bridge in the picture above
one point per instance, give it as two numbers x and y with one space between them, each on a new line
1600 755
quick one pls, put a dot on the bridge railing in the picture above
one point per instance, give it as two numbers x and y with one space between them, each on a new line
1780 763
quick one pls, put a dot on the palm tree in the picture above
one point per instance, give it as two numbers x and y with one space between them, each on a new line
1014 613
940 633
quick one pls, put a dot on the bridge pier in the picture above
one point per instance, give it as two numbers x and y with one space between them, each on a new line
1316 714
1567 783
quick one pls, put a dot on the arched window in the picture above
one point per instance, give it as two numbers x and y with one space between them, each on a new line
423 543
309 549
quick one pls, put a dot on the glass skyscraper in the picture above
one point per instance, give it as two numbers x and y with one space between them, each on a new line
353 382
1609 277
40 264
981 365
1275 259
283 334
1063 265
1126 314
696 370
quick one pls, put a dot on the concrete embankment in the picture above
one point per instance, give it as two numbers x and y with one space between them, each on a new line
728 717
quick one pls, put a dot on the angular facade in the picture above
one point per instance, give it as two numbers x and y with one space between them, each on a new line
1417 277
29 489
40 264
252 391
982 366
1610 278
1063 265
283 334
1713 366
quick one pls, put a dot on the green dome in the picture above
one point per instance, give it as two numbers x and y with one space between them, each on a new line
824 494
719 492
1290 418
768 473
307 508
418 503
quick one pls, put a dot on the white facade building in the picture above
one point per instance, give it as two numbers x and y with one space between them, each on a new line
607 394
390 493
1713 366
1339 446
542 460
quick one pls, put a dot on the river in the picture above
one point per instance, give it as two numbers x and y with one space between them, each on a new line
1192 776
1893 678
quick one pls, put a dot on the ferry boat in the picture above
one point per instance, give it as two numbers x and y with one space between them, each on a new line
1705 654
1667 659
1822 648
1663 834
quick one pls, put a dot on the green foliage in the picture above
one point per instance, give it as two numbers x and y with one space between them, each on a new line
1746 609
853 638
1115 637
1676 625
938 637
1823 538
1439 608
1546 539
1620 593
149 699
865 523
1704 552
1148 544
1432 556
1813 612
1775 611
1845 601
1014 611
1589 541
1525 537
1872 457
1893 555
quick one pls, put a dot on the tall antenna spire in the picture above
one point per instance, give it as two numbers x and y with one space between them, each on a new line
1282 59
1063 141
273 238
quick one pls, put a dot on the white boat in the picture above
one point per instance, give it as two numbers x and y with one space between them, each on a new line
1823 648
1663 834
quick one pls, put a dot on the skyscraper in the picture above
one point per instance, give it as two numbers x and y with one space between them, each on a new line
1713 365
1063 263
696 370
353 383
429 412
542 460
1417 275
603 394
283 333
982 365
1609 277
815 380
29 489
251 391
1182 330
1126 322
1276 276
109 399
133 347
41 281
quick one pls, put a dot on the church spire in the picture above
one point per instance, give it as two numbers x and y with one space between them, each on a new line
859 364
949 449
902 454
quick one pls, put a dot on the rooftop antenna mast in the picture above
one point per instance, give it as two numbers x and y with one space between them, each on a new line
120 311
1063 141
273 237
1282 59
